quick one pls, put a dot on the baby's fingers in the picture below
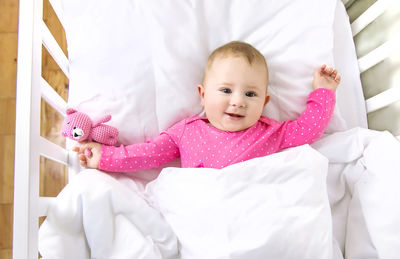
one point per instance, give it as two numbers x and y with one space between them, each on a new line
337 79
334 74
329 70
81 147
83 160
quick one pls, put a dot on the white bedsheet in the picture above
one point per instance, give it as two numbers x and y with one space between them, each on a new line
106 216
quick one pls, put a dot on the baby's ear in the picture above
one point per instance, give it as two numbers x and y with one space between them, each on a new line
200 88
266 99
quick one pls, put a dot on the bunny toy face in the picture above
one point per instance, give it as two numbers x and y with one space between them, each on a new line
76 125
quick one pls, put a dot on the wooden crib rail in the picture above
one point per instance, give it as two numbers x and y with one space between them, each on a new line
54 49
29 145
53 98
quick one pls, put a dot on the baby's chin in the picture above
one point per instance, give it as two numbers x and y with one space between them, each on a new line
229 127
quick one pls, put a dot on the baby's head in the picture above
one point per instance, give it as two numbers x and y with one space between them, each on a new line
234 88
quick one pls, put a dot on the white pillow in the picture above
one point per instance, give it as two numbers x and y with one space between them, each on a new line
268 207
110 65
183 35
140 61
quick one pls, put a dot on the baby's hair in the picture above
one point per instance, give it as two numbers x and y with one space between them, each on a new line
236 49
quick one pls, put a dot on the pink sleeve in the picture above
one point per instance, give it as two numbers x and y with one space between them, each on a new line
151 154
312 123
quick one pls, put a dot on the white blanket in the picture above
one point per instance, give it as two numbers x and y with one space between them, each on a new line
363 188
271 207
103 216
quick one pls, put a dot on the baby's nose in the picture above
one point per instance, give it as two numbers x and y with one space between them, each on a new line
237 100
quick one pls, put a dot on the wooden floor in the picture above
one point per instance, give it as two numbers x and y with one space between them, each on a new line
8 64
55 177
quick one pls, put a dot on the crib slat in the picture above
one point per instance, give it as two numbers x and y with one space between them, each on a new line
377 55
52 97
44 204
348 3
54 49
74 165
52 151
58 10
369 15
345 2
383 99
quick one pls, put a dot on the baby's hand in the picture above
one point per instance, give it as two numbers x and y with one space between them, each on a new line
326 78
89 154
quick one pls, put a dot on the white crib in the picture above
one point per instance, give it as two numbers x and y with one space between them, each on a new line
32 88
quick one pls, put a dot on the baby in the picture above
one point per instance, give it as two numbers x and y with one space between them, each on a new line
233 94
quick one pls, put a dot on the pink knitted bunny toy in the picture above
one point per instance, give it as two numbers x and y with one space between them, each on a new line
78 126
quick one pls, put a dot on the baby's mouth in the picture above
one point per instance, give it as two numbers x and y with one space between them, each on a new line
234 115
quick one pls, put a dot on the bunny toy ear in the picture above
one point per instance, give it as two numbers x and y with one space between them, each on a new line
102 120
71 111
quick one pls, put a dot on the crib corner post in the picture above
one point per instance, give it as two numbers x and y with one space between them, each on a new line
27 131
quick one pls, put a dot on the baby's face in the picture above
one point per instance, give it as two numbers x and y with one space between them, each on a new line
234 93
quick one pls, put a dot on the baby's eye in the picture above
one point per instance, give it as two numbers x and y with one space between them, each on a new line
226 90
251 94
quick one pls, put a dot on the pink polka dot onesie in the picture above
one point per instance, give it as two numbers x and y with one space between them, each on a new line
199 144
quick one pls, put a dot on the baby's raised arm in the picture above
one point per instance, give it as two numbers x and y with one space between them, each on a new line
320 106
326 77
